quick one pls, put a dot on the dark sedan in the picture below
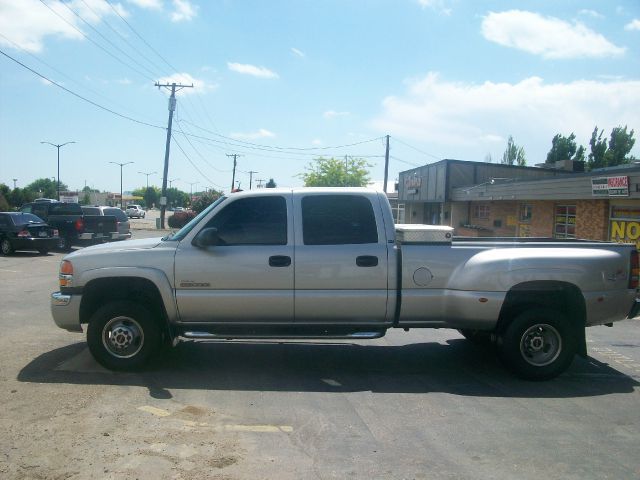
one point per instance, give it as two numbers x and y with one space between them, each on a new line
25 231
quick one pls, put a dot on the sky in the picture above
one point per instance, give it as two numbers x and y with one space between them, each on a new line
283 82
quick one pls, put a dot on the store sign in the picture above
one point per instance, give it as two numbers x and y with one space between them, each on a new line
412 182
610 186
625 225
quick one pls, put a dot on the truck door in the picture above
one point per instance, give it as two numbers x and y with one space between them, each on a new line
341 269
248 276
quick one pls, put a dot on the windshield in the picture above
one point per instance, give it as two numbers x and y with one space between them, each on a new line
184 231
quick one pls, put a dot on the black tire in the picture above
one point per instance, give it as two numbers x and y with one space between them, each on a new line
64 244
122 335
477 337
43 251
5 247
538 344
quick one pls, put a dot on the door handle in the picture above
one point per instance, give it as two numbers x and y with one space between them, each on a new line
367 261
279 261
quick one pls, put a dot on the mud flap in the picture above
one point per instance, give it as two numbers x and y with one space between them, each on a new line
582 342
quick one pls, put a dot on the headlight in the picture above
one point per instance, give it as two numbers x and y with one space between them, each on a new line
65 277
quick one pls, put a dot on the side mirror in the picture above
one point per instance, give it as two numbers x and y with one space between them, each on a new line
207 237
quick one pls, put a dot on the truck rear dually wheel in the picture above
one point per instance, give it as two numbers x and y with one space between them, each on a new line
122 335
538 344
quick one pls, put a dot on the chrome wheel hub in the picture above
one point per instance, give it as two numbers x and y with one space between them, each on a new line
540 345
122 337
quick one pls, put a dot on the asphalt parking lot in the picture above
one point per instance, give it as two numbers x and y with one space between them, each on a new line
411 405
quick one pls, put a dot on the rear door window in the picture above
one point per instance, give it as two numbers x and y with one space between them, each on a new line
65 209
338 220
116 212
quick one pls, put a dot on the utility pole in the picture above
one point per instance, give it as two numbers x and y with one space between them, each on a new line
14 183
259 180
235 163
251 172
191 184
172 107
147 174
58 147
386 167
121 165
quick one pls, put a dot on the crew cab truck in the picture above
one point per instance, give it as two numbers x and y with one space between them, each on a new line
330 263
73 226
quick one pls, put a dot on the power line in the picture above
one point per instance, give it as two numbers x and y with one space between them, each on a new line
78 95
179 127
140 36
59 72
193 164
416 149
404 161
94 42
122 37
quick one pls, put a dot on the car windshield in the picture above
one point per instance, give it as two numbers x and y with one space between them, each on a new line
25 218
116 212
180 234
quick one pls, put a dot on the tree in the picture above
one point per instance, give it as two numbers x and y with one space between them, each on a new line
4 205
598 150
17 197
513 154
615 153
204 200
150 195
620 144
271 184
564 148
45 187
331 172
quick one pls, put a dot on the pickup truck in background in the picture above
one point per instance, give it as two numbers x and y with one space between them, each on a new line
123 225
330 263
74 228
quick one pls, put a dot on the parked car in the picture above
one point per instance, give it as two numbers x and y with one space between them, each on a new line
73 226
135 211
24 231
123 224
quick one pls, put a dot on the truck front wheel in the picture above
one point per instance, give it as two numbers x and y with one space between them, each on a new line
538 344
122 335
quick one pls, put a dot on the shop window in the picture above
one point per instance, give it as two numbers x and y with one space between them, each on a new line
526 212
565 221
481 211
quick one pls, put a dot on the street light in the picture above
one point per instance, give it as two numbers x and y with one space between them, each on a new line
171 182
147 174
58 147
121 165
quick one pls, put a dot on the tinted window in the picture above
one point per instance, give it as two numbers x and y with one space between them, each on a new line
338 220
39 210
25 218
65 209
116 212
91 211
253 221
4 221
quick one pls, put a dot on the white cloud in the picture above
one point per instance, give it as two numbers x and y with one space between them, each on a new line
246 69
316 142
186 79
437 5
124 81
26 23
297 52
329 114
546 36
184 11
590 13
633 25
465 120
261 133
150 4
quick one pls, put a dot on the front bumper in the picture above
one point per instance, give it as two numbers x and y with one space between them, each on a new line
65 310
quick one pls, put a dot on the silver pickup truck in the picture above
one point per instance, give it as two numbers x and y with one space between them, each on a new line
330 263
